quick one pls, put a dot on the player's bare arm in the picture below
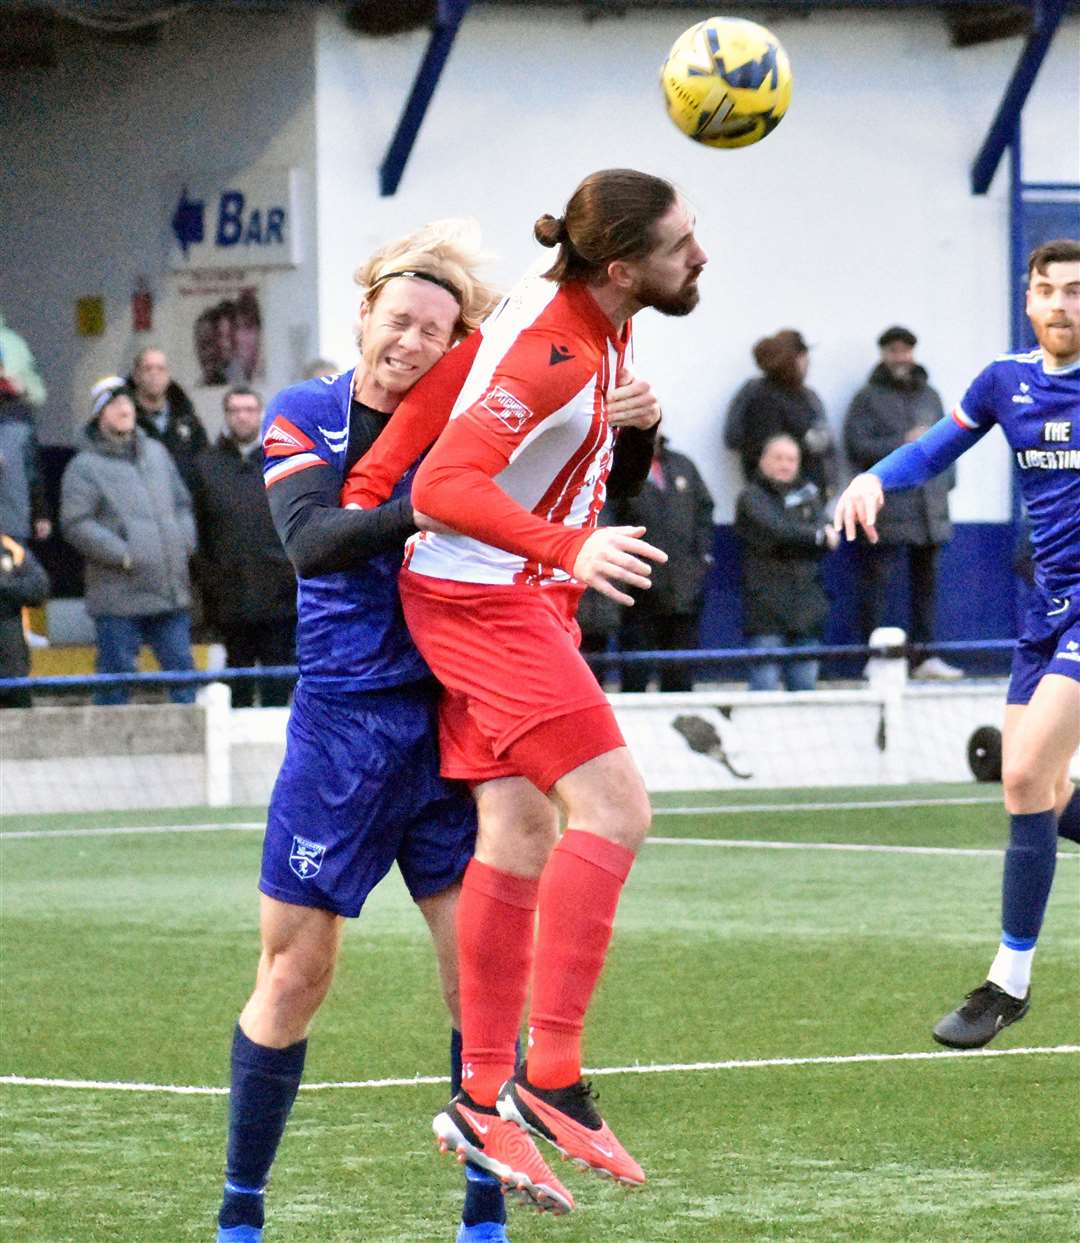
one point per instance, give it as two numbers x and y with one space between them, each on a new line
858 506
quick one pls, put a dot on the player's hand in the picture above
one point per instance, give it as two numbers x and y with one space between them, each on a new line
858 506
424 523
632 402
619 554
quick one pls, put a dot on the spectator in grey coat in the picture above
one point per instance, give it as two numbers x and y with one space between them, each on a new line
124 506
23 584
896 405
781 524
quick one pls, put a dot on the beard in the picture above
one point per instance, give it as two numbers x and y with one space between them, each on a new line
677 302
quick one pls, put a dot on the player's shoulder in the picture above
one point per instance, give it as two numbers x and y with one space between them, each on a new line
317 409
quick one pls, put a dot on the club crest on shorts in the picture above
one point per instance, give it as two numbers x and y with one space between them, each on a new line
305 858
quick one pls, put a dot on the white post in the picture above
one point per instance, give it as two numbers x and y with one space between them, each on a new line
887 675
217 701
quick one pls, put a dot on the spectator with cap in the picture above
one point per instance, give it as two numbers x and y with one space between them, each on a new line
780 400
164 411
246 582
895 406
124 507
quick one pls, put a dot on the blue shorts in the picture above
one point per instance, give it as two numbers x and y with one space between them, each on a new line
1050 644
359 790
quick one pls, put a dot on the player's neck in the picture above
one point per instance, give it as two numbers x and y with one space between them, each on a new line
615 304
1053 363
368 393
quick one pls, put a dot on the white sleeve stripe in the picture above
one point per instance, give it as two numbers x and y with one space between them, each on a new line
287 465
965 420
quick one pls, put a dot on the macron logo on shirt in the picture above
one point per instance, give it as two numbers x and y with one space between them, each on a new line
505 407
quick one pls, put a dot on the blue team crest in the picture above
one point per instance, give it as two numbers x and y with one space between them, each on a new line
306 857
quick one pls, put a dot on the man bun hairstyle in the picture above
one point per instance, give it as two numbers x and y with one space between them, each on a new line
611 215
444 252
1063 250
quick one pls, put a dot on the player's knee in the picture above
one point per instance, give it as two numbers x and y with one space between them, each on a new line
298 984
624 819
1026 788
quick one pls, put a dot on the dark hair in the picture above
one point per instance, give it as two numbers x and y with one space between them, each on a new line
778 357
240 390
611 215
1063 250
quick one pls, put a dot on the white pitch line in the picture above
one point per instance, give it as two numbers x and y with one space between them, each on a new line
93 1085
735 843
122 830
729 809
727 843
736 809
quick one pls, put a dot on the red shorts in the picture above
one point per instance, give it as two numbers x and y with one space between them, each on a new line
519 700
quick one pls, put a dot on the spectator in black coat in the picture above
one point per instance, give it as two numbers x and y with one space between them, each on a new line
780 520
23 584
165 412
780 400
246 581
896 405
676 509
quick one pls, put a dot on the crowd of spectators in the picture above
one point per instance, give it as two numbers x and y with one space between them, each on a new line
175 533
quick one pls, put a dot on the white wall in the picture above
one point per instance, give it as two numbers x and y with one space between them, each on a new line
854 214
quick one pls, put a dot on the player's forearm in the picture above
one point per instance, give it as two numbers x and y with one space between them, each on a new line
631 459
466 498
320 538
916 463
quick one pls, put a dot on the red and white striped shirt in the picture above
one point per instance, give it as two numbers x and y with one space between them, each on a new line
520 470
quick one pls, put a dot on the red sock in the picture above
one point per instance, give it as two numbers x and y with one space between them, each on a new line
495 927
579 891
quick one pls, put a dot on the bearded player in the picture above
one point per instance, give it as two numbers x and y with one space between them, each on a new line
511 492
1035 399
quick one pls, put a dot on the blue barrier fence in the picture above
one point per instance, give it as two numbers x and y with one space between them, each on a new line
988 657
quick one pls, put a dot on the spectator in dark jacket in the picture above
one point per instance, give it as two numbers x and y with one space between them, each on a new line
164 410
780 520
781 401
895 406
247 583
23 584
676 509
125 508
24 513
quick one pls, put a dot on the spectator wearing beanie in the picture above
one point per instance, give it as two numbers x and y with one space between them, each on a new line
124 507
780 401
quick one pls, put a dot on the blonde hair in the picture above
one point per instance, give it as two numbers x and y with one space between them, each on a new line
444 251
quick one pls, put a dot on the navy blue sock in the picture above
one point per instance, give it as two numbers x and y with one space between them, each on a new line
264 1086
483 1191
1029 873
1069 824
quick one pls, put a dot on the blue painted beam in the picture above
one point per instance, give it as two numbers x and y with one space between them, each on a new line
450 16
1047 19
